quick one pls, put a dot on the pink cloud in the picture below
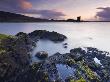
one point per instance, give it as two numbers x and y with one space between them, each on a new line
25 4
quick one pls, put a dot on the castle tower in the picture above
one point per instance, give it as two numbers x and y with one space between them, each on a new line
79 19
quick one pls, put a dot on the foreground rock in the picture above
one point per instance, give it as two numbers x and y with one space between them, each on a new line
14 56
43 34
77 54
41 54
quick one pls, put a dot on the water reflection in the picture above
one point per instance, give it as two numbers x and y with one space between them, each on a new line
65 71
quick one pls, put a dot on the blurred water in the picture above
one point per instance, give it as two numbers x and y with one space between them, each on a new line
96 34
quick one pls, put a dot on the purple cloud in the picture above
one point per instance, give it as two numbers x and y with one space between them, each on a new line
50 14
26 7
104 14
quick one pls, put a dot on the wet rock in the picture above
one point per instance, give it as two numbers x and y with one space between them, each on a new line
65 47
77 54
33 74
78 50
43 34
94 66
16 58
41 54
65 44
70 62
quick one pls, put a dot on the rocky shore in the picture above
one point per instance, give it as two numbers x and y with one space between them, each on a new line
16 66
82 61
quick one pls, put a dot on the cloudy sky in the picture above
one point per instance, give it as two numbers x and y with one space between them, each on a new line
59 9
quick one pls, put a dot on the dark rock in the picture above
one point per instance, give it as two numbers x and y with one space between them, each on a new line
43 34
42 54
16 58
33 74
77 53
78 50
94 66
65 44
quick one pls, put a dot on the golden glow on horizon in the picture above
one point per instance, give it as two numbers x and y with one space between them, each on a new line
84 15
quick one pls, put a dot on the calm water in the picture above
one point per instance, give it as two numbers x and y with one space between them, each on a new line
79 34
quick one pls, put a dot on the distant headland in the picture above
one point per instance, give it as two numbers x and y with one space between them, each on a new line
13 17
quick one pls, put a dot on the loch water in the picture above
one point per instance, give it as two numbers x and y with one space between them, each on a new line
84 34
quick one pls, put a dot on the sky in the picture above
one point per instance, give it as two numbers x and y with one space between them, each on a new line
59 9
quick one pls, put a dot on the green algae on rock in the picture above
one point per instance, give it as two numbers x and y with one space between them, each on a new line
14 56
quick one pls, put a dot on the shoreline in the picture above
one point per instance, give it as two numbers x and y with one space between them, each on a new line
50 21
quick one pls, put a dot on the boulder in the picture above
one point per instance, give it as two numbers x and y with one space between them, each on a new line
43 34
65 44
78 50
41 54
77 54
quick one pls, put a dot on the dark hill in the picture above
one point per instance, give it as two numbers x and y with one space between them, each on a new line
13 17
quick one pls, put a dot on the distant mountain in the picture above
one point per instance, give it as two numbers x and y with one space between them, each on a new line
13 17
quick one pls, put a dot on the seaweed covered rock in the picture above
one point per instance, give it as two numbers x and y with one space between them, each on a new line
43 34
28 41
77 53
41 54
33 74
14 56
